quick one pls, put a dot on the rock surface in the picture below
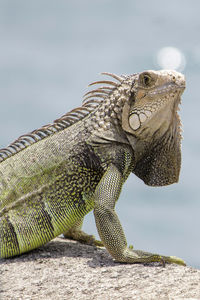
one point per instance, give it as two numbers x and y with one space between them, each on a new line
65 269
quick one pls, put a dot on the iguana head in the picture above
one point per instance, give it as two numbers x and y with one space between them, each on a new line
154 103
152 125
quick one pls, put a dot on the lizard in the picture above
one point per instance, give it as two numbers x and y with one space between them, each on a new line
52 177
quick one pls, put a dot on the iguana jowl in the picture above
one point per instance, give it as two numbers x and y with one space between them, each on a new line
52 177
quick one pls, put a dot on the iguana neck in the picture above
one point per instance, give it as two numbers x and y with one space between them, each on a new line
105 123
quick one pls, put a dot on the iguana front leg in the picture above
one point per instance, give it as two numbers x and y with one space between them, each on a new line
109 227
77 234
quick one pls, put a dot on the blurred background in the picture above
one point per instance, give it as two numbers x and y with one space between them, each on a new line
49 52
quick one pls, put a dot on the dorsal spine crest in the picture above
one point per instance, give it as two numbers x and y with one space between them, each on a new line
91 101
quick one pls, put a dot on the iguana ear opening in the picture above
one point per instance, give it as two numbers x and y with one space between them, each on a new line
161 165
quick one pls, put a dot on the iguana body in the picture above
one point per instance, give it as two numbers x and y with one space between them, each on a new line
52 177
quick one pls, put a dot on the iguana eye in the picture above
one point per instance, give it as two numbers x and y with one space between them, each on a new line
146 79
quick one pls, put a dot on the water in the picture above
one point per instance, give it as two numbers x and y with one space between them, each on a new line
50 51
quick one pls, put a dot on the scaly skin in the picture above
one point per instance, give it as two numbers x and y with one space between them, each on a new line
52 177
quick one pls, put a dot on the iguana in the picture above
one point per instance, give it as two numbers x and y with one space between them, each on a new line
52 177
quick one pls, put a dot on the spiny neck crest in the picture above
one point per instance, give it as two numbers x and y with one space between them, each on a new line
109 112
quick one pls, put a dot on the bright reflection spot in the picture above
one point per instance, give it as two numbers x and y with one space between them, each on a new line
171 58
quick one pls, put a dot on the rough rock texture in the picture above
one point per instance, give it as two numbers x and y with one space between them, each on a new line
65 269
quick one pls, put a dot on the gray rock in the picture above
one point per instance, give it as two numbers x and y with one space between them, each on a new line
65 269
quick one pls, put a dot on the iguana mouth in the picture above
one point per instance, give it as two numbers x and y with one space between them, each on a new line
167 88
